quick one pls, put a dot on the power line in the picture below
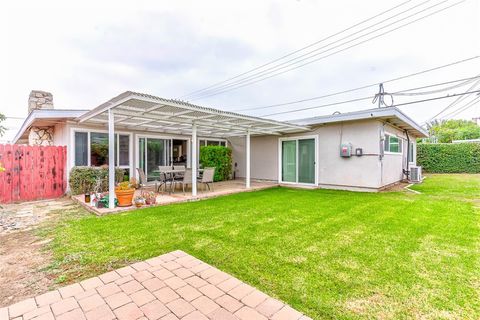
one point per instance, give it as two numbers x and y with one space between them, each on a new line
238 85
465 82
370 97
289 63
320 106
301 49
459 99
462 109
436 98
358 88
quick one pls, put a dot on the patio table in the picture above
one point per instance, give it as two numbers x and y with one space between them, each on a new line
173 172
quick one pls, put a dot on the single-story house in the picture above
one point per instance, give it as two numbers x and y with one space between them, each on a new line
364 150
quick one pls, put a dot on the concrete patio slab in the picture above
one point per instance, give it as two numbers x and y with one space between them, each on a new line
165 198
171 286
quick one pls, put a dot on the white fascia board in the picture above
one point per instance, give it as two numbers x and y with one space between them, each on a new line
362 115
46 114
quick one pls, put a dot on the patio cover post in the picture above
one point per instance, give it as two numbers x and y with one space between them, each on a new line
247 174
111 159
194 160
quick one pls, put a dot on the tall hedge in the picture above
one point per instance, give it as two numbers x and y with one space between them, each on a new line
84 179
219 157
449 157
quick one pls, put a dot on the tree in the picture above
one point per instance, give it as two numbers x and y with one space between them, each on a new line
2 128
447 130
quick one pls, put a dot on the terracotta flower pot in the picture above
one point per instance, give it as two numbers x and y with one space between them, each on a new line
124 197
150 201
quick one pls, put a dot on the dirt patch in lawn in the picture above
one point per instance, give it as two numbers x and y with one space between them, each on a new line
24 258
373 304
397 187
21 263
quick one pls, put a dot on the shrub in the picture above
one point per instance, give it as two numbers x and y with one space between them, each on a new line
449 157
84 179
219 157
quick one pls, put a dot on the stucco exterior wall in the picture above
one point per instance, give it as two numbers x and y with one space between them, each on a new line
338 172
70 128
263 157
332 169
60 135
366 172
393 164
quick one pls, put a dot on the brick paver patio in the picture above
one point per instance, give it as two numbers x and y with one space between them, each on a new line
172 286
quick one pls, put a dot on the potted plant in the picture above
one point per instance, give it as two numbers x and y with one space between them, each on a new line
150 197
139 201
100 201
134 183
96 195
103 201
124 192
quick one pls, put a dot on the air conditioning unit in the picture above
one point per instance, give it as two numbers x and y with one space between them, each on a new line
416 174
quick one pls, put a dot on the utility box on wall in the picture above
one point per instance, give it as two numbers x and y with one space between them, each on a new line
346 150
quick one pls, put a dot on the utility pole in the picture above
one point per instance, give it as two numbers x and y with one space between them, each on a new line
379 96
381 91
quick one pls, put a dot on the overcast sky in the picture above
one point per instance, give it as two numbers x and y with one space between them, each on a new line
89 53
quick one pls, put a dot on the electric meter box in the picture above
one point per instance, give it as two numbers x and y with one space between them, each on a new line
346 150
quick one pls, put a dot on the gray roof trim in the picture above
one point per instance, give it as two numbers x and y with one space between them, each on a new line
46 114
376 113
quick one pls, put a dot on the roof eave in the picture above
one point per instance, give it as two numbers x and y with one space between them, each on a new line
44 114
367 114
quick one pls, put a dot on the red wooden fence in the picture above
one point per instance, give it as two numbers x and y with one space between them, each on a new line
32 172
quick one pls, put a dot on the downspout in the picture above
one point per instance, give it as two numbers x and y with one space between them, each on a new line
407 172
382 151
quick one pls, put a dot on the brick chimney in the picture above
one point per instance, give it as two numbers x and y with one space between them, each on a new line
40 136
39 100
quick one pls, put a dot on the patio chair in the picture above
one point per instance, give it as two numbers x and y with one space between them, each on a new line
144 181
207 178
165 177
185 180
178 175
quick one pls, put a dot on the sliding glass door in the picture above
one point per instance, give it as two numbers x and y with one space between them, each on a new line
298 160
306 161
153 153
289 161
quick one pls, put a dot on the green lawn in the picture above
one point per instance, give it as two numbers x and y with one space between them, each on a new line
330 254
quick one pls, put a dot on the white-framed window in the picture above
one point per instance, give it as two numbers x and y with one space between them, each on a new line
393 143
411 151
91 149
212 142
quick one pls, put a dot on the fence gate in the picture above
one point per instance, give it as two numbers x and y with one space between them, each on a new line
31 172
